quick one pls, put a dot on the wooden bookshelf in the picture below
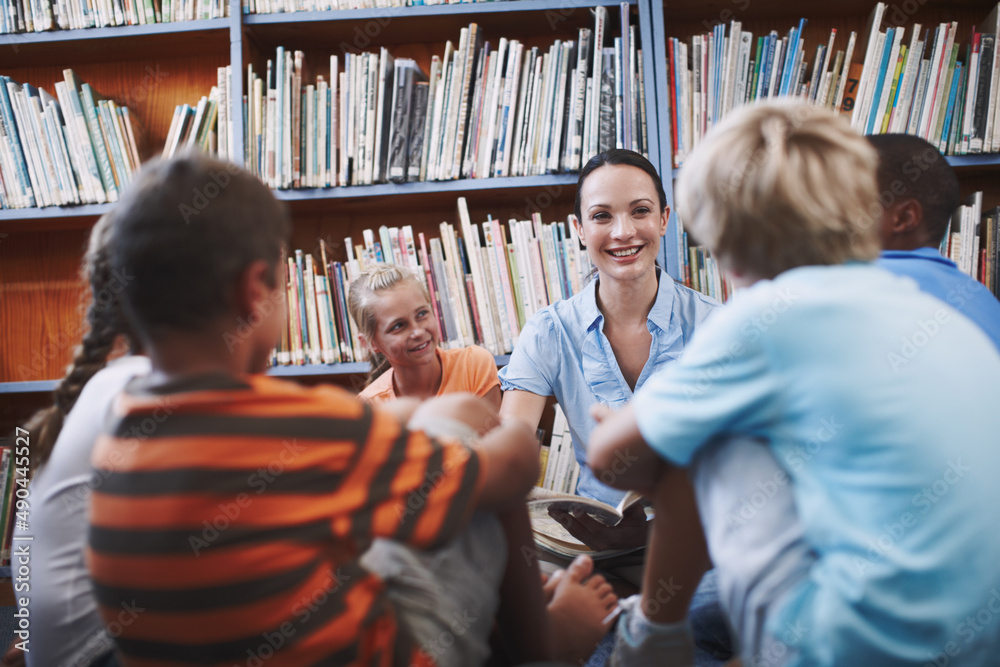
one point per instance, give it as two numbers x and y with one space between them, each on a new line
688 17
153 68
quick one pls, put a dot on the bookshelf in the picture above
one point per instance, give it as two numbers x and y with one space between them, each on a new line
153 68
687 18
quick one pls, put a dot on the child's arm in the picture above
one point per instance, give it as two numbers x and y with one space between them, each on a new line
401 408
508 450
510 458
619 453
620 456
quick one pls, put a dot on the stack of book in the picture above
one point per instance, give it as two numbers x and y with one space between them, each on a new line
484 284
79 149
205 126
971 241
485 110
911 80
41 15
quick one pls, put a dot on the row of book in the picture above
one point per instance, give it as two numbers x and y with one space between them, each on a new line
971 241
699 270
75 148
930 86
8 485
559 470
207 126
281 6
718 72
21 16
485 281
914 82
484 111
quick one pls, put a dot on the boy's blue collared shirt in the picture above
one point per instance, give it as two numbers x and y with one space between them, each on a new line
940 277
563 351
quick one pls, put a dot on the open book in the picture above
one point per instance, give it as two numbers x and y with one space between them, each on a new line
551 536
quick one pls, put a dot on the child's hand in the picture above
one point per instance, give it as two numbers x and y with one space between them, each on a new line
401 408
600 412
471 411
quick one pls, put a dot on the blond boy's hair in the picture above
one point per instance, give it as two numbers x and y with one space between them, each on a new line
780 185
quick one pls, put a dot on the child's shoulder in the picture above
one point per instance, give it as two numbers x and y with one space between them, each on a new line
281 395
470 354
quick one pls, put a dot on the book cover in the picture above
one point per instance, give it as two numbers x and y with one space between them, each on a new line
418 121
868 73
383 115
96 136
467 89
606 127
551 536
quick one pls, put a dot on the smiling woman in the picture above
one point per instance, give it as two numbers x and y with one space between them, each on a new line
594 350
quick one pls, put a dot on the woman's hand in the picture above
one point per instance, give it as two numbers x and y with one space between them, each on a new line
628 533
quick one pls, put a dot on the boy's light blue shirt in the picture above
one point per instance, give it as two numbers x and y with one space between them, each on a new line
880 401
563 351
940 277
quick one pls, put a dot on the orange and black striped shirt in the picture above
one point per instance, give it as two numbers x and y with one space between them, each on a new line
230 514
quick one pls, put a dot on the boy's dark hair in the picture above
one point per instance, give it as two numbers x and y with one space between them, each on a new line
619 157
911 168
181 235
106 323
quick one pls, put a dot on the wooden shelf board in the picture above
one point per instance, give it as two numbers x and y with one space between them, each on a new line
92 45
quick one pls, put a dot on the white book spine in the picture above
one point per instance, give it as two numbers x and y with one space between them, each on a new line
483 303
931 91
906 84
991 139
868 74
883 100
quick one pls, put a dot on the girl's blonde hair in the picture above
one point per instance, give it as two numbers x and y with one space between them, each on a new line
361 302
780 185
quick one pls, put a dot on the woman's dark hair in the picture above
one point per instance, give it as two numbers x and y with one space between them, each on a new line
106 324
618 157
182 234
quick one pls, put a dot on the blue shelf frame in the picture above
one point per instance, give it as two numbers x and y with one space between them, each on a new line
322 194
114 32
54 212
311 370
468 8
427 187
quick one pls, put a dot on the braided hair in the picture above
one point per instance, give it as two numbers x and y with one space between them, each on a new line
104 318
